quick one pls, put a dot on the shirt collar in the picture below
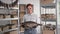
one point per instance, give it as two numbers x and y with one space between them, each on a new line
30 14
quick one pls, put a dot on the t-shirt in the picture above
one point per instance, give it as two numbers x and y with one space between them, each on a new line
31 17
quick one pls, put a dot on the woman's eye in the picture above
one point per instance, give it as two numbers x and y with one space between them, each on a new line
30 8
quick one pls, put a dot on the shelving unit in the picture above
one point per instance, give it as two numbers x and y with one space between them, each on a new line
46 13
14 18
48 16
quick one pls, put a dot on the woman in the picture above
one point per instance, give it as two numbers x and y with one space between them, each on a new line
30 17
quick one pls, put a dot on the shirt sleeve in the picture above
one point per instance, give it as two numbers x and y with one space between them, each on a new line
38 20
38 27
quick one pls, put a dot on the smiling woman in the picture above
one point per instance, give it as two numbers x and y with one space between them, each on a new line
10 3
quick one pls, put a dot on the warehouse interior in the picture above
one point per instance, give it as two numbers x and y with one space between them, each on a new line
12 12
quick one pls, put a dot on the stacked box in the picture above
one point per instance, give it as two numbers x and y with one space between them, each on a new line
0 29
14 21
15 16
48 32
6 28
14 12
21 14
14 32
1 16
11 32
21 29
22 7
14 26
46 1
7 16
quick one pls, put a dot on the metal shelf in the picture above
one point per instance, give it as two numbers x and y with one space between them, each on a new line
50 20
10 19
9 30
15 8
48 6
16 18
1 7
53 5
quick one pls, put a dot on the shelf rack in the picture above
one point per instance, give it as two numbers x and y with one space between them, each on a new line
17 18
48 6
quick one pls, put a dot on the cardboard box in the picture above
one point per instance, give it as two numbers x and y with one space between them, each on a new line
46 1
14 21
7 16
14 32
6 28
22 14
21 29
15 16
22 7
6 33
0 29
14 12
48 32
11 27
14 26
21 19
1 16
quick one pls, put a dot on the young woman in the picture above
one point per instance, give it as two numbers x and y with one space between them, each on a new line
30 17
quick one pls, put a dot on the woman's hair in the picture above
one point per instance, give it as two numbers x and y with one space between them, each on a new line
29 5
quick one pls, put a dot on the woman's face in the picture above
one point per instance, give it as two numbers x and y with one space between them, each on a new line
30 9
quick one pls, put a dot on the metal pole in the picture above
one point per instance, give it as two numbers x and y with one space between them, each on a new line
40 20
18 20
56 18
45 16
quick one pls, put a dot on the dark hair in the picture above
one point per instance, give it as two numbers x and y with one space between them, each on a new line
29 5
